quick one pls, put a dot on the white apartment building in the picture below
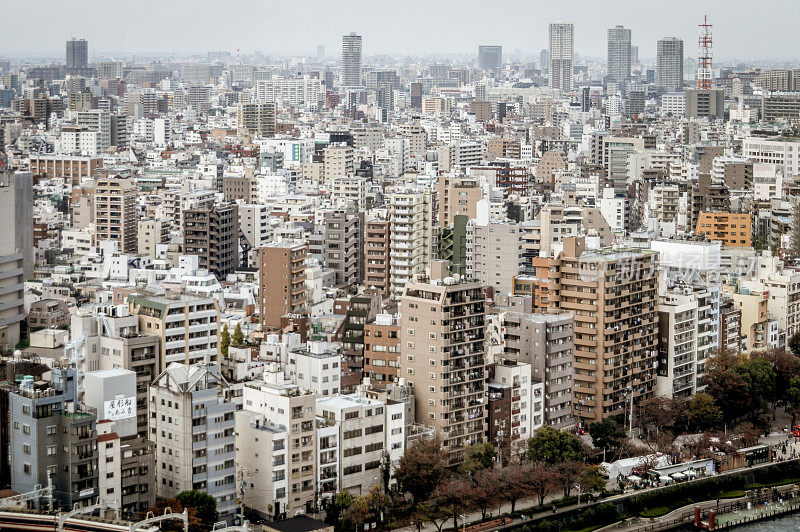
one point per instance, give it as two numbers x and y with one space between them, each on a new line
295 151
614 210
767 181
411 224
254 221
346 190
527 398
367 428
688 337
81 140
401 147
673 103
305 92
276 445
192 424
316 369
784 152
97 120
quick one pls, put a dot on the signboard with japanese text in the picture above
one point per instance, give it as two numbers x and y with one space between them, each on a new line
117 409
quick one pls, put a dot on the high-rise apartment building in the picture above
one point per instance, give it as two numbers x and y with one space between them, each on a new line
561 55
351 60
669 64
366 430
192 424
282 281
115 212
344 245
612 294
376 254
111 340
411 223
619 54
688 337
77 53
442 326
490 57
258 118
212 233
493 254
546 342
337 161
457 195
16 252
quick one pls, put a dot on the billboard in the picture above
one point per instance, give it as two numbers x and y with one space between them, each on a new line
117 409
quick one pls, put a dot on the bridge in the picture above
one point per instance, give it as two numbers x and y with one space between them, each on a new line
26 520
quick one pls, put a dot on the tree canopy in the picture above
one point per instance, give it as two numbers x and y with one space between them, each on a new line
553 446
607 434
421 468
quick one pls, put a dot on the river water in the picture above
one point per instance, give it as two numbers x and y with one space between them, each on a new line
786 523
782 524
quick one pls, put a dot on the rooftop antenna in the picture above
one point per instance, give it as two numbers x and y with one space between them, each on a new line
704 74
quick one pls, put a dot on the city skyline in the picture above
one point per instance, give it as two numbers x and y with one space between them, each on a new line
284 30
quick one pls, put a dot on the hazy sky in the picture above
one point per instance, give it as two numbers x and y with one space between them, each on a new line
392 26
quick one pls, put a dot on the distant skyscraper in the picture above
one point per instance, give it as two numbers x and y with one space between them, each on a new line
562 55
586 99
490 57
77 53
669 64
351 60
619 54
544 61
634 55
320 51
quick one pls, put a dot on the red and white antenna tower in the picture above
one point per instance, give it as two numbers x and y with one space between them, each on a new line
704 73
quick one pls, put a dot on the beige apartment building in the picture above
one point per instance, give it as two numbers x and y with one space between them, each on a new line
338 161
151 233
282 281
115 216
186 325
457 195
613 295
258 118
442 324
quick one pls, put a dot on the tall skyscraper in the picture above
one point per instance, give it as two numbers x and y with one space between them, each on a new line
561 55
490 57
77 53
669 64
351 60
619 54
544 61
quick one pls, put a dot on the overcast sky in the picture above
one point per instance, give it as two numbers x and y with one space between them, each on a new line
413 27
